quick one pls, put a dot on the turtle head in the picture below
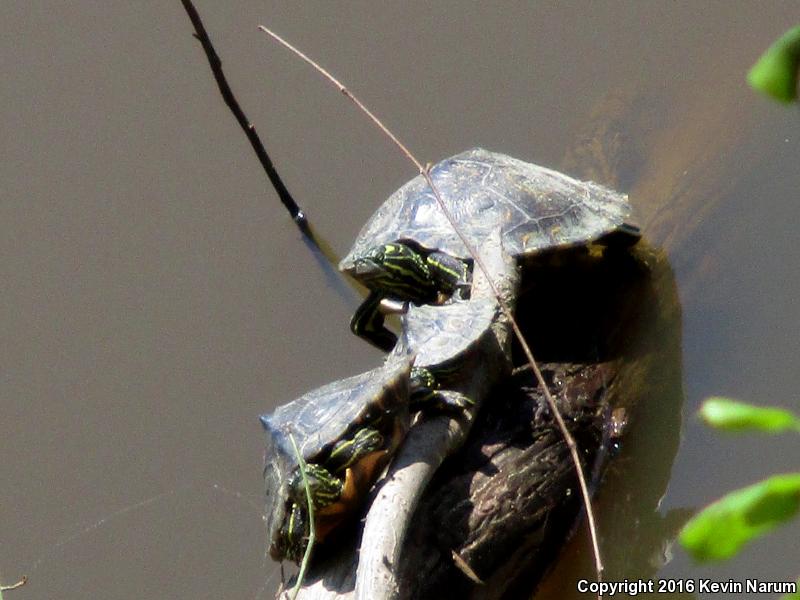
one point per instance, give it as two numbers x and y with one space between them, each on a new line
396 270
371 266
292 538
324 487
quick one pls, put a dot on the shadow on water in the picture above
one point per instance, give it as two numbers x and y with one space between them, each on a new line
327 261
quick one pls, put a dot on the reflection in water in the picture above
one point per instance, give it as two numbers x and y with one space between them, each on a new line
328 263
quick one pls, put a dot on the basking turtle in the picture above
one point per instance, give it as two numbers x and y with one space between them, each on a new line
408 250
346 432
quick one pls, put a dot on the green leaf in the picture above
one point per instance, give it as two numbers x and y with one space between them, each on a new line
775 73
731 415
722 528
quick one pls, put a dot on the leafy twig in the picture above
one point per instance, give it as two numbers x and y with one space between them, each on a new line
721 529
776 72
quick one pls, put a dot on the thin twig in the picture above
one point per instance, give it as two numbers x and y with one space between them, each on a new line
298 216
425 171
312 530
13 586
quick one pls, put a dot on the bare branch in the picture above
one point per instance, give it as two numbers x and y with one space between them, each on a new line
14 586
297 214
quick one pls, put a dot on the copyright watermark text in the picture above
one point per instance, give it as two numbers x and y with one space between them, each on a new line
634 587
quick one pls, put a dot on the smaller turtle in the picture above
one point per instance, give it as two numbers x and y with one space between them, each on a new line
346 432
408 250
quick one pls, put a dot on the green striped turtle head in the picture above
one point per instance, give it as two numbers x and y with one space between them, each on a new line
331 444
396 270
324 487
403 271
293 537
336 488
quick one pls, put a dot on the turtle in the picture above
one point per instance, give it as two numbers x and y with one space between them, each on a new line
346 432
408 251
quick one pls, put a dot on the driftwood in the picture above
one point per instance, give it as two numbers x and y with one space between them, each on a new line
434 334
508 502
621 316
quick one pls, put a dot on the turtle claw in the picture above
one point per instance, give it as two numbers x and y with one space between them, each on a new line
427 395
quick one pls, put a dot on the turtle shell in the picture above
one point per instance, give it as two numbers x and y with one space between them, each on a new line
537 208
441 335
322 417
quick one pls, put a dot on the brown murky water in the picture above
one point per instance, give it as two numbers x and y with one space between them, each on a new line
156 299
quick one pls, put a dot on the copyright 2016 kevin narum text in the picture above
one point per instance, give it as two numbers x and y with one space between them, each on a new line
634 587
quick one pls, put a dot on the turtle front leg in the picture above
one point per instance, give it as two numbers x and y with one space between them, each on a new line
368 323
424 388
426 396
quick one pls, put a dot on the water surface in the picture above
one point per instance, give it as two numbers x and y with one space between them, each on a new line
156 298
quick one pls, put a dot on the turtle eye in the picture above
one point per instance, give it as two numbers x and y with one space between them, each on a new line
377 254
